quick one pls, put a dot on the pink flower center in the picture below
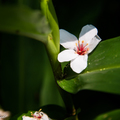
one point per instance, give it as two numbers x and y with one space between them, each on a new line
81 49
37 116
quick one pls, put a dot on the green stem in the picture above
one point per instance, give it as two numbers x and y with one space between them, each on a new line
53 48
52 54
57 71
68 102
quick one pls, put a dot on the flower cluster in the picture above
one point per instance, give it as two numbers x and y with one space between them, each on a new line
38 115
77 50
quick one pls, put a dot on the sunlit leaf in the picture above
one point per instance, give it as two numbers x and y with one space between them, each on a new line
102 73
24 21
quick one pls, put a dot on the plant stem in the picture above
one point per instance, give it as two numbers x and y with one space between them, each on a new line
52 54
68 102
57 71
53 48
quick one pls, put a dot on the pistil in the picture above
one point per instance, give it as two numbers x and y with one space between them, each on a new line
81 49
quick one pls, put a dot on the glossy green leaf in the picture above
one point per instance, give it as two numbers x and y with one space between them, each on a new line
24 21
102 73
112 115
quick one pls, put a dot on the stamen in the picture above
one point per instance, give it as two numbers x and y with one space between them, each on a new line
40 110
79 44
85 45
75 52
81 48
31 113
83 53
83 41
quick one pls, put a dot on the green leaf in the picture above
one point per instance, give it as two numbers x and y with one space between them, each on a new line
48 10
112 115
24 21
102 73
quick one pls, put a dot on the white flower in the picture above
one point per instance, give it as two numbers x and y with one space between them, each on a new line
4 115
77 50
38 115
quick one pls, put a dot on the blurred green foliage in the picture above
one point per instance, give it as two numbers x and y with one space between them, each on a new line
27 81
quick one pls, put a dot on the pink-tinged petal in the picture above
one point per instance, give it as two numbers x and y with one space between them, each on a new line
94 42
79 64
87 33
67 40
67 55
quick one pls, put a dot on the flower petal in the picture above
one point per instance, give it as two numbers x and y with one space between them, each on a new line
44 117
67 55
87 33
94 42
79 64
67 40
28 118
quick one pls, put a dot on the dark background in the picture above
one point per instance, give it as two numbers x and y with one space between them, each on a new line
103 14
